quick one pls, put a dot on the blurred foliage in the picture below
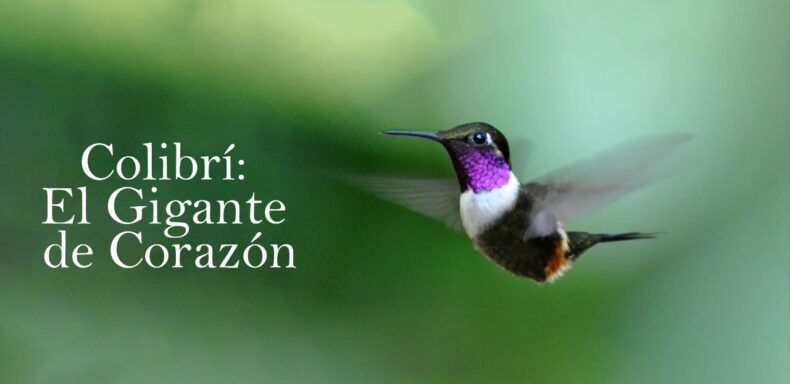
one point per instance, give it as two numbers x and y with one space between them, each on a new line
380 294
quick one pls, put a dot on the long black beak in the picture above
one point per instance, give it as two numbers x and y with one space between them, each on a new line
424 134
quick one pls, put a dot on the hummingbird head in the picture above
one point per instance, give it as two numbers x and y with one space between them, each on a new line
479 152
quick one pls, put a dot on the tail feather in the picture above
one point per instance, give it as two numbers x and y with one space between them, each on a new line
582 241
605 238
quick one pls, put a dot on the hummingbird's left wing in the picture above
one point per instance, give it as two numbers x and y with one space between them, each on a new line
435 198
589 184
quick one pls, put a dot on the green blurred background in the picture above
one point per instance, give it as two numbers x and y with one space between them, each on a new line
381 294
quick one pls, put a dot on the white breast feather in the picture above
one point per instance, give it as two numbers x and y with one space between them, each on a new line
479 210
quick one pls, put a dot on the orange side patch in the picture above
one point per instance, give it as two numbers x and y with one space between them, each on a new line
558 263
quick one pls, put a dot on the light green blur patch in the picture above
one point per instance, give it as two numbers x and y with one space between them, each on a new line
338 53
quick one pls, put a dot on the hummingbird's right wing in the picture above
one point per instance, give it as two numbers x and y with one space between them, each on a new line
435 198
589 184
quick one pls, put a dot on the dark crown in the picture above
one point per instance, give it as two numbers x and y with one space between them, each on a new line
464 131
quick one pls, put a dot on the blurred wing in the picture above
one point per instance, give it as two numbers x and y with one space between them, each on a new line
436 198
584 186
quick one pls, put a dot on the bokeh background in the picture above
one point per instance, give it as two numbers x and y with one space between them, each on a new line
381 294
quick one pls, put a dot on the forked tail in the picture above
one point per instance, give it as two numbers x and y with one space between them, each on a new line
605 238
582 241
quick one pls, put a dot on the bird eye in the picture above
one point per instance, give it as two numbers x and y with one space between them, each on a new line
479 138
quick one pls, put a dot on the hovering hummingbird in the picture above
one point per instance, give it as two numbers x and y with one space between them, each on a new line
520 226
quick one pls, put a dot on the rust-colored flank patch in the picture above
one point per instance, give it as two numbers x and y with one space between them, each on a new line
558 263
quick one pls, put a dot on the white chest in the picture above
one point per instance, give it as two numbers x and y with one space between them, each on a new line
479 210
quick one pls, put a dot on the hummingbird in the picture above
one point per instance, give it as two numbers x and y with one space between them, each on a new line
520 227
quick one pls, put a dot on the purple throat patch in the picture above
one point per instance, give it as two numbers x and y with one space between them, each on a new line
485 170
